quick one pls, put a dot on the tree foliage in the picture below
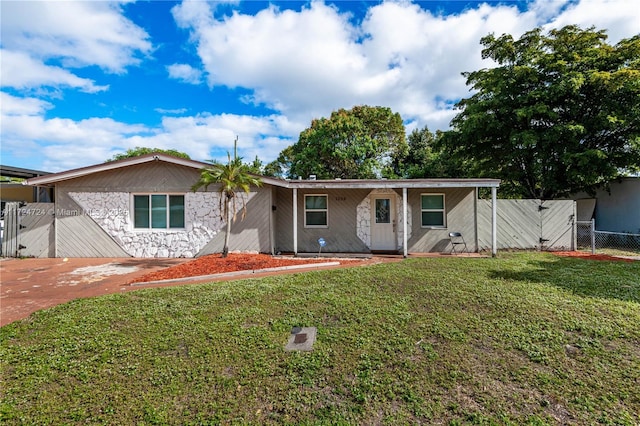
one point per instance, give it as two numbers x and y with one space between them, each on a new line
427 157
351 144
231 178
558 115
279 168
138 151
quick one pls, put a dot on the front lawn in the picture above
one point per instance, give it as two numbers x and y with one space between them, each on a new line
525 338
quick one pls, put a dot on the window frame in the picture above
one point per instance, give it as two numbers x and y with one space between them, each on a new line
325 210
167 208
443 210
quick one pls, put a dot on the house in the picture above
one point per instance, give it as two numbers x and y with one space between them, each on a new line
12 190
614 210
143 207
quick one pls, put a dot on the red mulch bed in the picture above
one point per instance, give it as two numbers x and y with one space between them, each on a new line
215 264
589 256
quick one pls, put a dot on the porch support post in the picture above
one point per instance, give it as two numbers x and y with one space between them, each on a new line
55 220
295 221
404 223
494 228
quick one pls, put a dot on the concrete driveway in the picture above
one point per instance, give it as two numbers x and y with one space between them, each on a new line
28 285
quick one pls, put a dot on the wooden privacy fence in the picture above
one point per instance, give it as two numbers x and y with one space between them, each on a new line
28 230
529 224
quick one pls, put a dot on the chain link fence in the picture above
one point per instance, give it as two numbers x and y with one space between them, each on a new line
590 239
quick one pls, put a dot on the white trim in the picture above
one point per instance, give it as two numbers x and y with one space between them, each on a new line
405 237
389 183
376 226
168 228
272 223
494 227
326 196
444 211
53 178
295 221
112 165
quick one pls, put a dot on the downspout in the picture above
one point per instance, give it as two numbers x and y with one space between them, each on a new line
295 221
494 228
404 223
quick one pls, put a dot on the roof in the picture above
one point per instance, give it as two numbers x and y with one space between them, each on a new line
53 178
18 172
112 165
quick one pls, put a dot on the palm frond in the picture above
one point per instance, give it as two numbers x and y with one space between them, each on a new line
230 178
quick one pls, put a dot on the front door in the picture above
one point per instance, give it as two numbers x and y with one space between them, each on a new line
383 223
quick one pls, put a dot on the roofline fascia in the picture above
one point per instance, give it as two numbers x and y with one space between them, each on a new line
393 183
49 180
20 172
52 179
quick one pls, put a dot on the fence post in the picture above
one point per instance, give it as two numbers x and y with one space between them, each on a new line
494 226
593 236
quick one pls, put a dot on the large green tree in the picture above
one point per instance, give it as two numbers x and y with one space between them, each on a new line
351 144
559 114
231 178
279 168
428 157
138 151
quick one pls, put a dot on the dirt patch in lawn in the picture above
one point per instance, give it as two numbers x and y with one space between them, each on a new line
234 262
589 256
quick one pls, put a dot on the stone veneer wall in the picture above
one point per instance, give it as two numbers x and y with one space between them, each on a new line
363 217
112 211
363 221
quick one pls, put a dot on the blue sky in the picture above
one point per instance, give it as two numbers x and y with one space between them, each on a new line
82 81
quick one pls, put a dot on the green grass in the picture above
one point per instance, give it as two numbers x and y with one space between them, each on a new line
526 338
617 252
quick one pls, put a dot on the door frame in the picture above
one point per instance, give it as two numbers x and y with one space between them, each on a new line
390 240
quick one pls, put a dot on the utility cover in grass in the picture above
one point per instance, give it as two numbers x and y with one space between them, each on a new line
301 339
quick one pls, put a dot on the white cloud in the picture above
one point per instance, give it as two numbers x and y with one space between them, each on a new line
207 136
306 64
302 64
81 33
185 73
66 143
170 111
42 40
621 18
294 61
21 71
15 106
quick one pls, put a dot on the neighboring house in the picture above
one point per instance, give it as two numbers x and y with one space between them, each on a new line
12 190
143 207
616 210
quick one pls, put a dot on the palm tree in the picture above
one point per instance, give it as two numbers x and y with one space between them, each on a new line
232 178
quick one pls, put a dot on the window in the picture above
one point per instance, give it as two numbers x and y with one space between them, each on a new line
158 211
383 210
316 211
433 212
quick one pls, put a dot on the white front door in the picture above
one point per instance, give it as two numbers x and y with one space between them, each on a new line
383 223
